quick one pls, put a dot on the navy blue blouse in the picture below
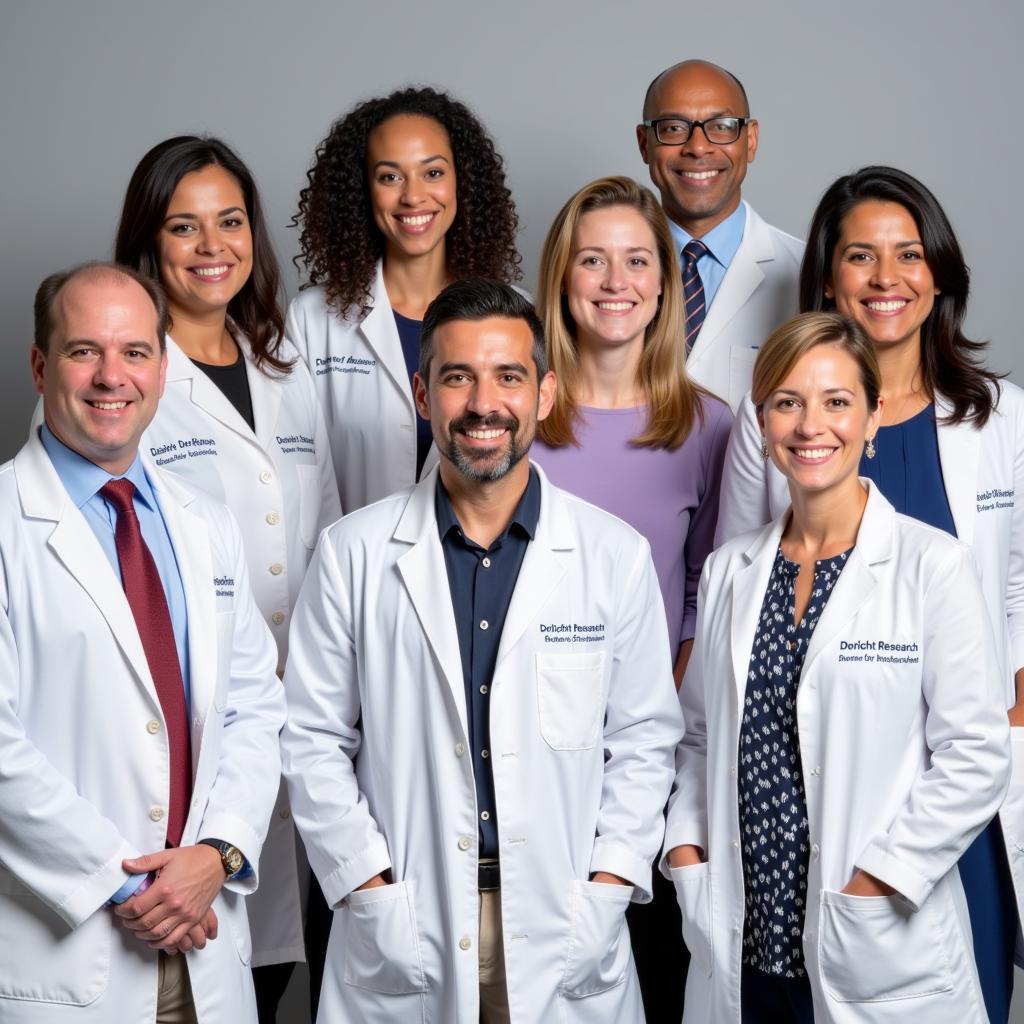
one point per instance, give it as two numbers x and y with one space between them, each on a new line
908 472
772 799
409 334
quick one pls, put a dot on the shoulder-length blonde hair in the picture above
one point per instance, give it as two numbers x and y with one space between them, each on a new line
673 400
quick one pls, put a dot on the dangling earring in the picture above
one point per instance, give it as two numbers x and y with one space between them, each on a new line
764 448
869 448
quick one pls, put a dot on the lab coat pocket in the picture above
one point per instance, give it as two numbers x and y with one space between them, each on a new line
382 940
54 964
875 948
693 893
598 956
309 504
569 698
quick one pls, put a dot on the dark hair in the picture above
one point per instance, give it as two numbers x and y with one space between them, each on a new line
949 362
661 74
478 298
255 308
340 242
51 287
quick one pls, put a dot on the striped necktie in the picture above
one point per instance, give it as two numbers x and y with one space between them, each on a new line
693 291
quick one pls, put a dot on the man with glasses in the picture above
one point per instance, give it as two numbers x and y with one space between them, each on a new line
739 273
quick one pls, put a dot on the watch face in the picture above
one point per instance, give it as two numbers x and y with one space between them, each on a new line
234 859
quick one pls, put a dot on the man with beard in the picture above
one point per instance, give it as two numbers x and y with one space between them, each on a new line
495 652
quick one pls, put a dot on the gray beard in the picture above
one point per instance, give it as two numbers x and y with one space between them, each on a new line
468 467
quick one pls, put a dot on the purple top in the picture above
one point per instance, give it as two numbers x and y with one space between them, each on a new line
671 497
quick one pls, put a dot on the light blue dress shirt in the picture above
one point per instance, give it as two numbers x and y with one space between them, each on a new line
722 241
82 480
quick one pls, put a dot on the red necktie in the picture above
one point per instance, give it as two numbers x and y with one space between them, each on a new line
145 593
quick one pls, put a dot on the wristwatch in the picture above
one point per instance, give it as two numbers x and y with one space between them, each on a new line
231 857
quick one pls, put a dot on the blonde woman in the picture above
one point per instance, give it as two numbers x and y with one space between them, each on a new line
846 737
631 433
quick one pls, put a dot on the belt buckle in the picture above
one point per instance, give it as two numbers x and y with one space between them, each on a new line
488 876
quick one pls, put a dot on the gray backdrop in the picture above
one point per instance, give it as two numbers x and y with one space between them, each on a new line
86 86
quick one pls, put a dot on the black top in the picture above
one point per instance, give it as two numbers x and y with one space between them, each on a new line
481 584
409 333
234 385
773 801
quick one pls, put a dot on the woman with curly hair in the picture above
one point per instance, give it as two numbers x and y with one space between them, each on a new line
406 195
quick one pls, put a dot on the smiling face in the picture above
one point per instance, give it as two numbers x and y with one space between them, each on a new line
879 274
699 181
205 244
817 420
613 279
483 398
412 184
103 372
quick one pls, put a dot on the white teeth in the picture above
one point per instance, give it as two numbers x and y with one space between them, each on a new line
814 453
891 306
210 271
418 221
700 175
485 435
108 405
615 307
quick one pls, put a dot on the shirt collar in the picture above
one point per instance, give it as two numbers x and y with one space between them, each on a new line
526 515
82 478
722 240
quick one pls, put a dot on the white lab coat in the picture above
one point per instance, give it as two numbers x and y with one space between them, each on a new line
375 753
905 758
364 390
758 292
83 752
279 484
983 470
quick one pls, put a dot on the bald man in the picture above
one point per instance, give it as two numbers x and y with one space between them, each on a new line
739 273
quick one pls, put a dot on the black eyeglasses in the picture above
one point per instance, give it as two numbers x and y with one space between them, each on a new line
674 131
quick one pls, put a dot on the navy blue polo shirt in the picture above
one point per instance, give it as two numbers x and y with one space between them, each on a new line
481 584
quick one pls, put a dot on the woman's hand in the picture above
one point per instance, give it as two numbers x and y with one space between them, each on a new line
685 856
863 884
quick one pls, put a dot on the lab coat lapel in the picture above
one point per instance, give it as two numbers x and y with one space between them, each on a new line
191 542
541 570
73 542
959 446
381 333
204 393
858 579
743 276
266 391
426 580
749 584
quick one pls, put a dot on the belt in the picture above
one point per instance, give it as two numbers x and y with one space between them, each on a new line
488 876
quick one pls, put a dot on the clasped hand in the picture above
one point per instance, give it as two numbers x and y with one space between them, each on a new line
174 914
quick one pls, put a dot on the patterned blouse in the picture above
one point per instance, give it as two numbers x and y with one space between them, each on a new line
773 805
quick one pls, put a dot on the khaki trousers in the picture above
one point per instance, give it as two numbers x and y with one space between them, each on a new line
174 992
493 989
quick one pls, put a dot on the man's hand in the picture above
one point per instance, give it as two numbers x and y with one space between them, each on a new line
863 884
1017 714
174 912
607 878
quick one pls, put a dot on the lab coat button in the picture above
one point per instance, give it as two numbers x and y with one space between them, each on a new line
460 749
152 727
277 618
465 942
815 851
266 476
197 721
732 770
156 814
735 844
276 569
464 843
273 518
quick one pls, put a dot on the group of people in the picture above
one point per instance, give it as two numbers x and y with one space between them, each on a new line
706 559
